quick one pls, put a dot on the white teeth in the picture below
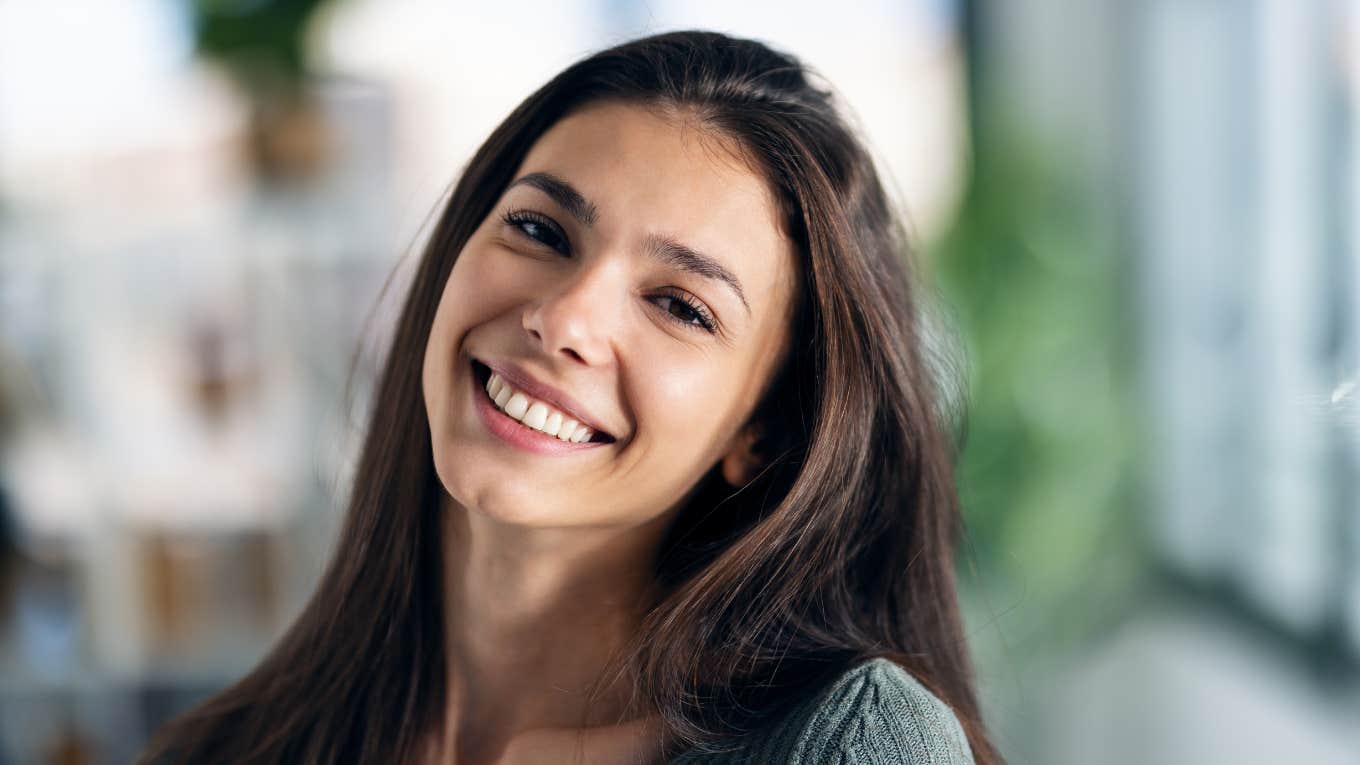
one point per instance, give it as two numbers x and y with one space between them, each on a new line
568 429
517 405
553 424
535 414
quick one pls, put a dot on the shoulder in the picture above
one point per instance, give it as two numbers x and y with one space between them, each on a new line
876 713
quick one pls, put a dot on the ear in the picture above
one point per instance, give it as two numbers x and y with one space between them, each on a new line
743 458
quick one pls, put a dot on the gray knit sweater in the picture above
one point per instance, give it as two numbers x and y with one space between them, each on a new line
874 714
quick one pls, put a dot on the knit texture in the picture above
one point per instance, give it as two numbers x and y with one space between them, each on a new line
874 714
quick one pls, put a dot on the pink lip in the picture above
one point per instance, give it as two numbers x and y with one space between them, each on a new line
517 435
545 393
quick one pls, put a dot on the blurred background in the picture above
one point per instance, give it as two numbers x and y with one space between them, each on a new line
1138 217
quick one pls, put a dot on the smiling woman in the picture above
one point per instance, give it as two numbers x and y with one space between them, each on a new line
578 281
655 470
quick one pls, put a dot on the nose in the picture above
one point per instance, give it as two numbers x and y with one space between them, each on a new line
574 321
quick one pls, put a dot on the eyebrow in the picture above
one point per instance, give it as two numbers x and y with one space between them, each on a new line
677 255
562 193
661 247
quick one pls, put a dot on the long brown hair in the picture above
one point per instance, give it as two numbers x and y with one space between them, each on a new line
839 550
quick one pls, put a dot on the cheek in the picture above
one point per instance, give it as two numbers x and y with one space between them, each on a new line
693 406
455 314
486 282
470 283
474 292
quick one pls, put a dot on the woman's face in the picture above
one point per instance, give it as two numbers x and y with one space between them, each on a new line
633 278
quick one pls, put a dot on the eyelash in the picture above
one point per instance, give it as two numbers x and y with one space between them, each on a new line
700 318
516 219
697 311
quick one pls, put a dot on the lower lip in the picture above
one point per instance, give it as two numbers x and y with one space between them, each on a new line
520 436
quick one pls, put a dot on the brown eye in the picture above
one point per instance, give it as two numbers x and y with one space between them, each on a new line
539 228
686 311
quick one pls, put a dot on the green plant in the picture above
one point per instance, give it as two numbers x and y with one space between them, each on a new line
260 41
1032 270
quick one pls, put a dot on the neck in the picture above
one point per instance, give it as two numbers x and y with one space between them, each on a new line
535 618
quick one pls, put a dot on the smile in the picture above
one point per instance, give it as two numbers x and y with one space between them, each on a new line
526 422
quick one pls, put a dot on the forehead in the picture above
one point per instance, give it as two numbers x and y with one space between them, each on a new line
653 157
649 172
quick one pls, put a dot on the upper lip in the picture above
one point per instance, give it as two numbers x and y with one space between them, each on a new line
523 381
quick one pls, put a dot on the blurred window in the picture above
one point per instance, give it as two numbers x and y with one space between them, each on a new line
1250 297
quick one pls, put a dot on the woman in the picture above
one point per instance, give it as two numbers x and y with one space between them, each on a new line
655 470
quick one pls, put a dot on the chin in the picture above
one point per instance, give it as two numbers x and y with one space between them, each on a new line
502 504
490 499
